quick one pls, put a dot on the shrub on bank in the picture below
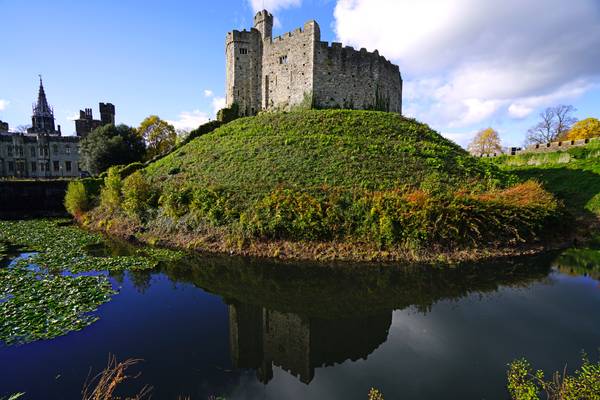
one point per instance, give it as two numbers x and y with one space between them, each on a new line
110 195
76 198
414 219
137 193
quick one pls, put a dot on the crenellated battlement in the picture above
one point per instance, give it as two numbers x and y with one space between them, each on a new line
336 49
297 68
308 29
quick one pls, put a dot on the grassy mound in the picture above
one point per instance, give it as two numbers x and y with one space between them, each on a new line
311 149
323 184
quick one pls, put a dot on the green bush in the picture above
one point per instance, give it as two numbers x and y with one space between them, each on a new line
110 195
226 115
130 169
176 202
77 200
136 194
212 206
415 219
526 384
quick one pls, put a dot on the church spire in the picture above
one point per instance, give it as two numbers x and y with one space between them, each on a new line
42 108
42 120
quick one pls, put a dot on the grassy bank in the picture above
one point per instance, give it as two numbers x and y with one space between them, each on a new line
332 184
572 175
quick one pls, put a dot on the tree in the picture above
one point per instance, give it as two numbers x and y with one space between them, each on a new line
584 129
555 123
159 135
111 145
486 141
22 128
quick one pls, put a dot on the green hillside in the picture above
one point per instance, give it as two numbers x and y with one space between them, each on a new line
326 184
311 149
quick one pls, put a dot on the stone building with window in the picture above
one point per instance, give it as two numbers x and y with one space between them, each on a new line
42 151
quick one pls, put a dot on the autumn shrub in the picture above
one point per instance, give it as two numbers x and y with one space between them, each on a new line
110 195
136 194
76 199
526 384
415 219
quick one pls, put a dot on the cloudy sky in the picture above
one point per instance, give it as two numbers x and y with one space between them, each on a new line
467 64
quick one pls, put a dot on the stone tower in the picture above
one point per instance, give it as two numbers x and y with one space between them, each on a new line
107 113
244 62
298 70
263 22
42 120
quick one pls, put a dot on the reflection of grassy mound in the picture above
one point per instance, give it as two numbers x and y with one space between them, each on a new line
353 184
580 262
352 291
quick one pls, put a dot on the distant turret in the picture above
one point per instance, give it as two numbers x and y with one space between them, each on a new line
107 113
86 122
263 22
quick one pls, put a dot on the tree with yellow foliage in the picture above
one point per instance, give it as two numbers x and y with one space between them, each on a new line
159 135
486 141
584 129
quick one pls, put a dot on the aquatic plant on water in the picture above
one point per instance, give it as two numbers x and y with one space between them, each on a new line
39 296
36 305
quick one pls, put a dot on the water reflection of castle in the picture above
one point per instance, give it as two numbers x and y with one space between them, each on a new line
260 338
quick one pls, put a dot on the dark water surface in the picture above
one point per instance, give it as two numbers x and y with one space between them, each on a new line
247 329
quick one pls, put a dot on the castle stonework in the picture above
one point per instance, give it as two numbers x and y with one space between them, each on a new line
298 70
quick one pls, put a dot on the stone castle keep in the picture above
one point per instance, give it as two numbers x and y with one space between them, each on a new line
298 70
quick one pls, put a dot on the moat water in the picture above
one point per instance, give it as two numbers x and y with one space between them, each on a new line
247 329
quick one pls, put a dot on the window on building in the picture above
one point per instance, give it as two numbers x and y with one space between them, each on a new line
20 151
243 51
67 149
11 166
55 148
68 166
32 150
56 166
33 166
9 149
283 60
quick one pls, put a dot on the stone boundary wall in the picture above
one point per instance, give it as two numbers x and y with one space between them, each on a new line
546 147
32 198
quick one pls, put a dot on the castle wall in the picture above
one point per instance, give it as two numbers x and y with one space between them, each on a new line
296 69
243 51
288 66
346 78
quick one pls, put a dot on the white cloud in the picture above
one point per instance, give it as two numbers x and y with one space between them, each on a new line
273 5
189 120
461 138
208 93
465 61
218 103
3 104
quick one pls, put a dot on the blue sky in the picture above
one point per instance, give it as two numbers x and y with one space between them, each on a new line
466 65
